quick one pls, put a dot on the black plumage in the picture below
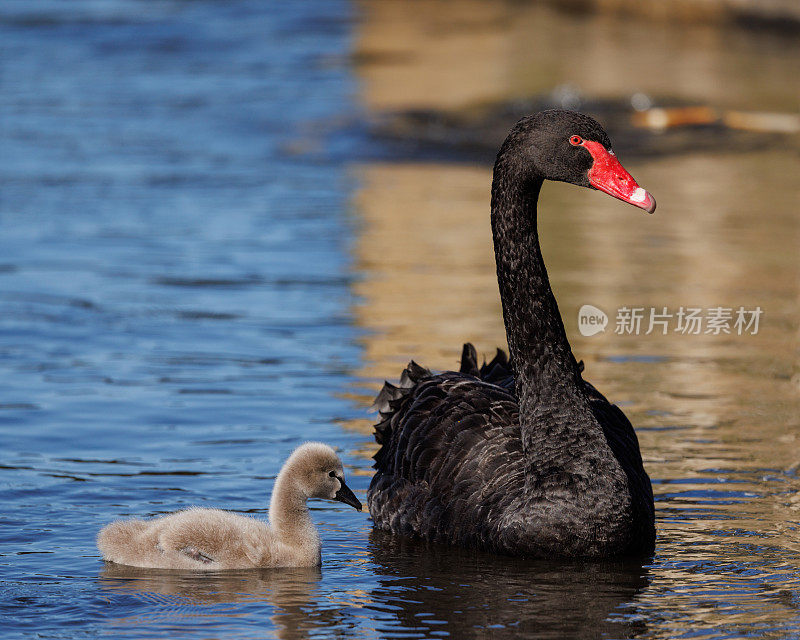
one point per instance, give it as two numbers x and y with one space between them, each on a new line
521 457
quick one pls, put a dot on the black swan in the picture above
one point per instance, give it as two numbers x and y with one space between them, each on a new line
519 456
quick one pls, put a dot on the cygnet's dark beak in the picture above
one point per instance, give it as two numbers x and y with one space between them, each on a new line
348 497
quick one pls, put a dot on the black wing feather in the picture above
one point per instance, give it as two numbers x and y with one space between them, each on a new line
450 463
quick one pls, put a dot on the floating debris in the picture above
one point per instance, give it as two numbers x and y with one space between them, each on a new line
639 125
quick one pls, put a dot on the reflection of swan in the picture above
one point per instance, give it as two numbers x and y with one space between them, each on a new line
432 588
178 596
529 460
212 539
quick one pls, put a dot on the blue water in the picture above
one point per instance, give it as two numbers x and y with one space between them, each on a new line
177 313
174 280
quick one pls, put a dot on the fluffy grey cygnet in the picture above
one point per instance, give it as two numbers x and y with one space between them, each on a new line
213 539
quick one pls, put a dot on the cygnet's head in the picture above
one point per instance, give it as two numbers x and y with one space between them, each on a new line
318 471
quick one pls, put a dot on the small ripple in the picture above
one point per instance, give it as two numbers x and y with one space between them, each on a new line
233 441
206 315
206 392
66 476
17 467
691 396
153 473
99 461
207 282
202 359
635 358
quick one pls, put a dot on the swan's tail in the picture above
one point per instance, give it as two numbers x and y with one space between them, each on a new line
389 401
390 393
498 371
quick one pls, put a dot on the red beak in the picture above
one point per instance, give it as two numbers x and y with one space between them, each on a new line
609 176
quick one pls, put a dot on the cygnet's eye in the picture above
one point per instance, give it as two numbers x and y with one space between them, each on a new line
332 474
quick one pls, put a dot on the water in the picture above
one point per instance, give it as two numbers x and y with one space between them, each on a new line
199 270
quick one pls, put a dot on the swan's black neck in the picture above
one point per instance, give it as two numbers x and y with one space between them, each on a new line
548 381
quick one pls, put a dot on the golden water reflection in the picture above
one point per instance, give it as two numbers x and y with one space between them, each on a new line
718 416
443 54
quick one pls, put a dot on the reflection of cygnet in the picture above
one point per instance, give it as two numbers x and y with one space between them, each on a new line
181 598
212 539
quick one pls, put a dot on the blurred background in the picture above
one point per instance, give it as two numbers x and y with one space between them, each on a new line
225 223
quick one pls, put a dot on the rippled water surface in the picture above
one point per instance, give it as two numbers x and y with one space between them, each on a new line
199 270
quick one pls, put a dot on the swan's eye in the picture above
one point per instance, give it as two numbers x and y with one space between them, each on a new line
332 474
576 140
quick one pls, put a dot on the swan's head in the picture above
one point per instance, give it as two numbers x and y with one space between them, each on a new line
568 146
316 468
